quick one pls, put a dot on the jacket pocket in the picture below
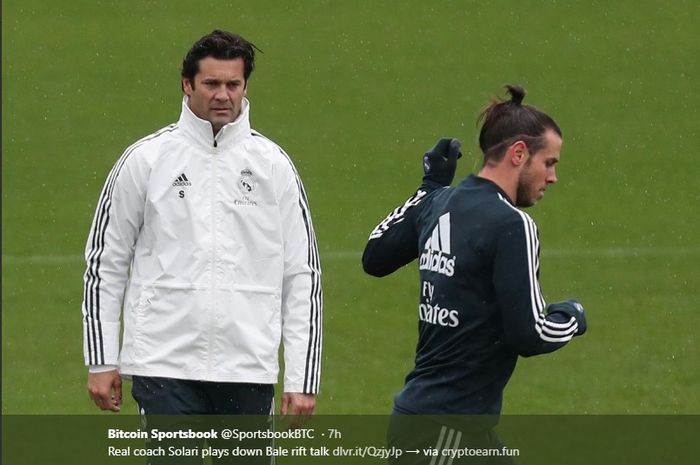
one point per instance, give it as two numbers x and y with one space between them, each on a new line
137 301
248 330
170 329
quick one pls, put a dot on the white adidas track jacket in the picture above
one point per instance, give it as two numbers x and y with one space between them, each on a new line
207 248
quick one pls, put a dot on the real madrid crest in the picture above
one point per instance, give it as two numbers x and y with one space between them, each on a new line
246 183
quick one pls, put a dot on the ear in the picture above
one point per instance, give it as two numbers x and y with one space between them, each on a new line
517 153
187 86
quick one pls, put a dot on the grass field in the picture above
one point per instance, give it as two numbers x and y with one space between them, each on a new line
356 91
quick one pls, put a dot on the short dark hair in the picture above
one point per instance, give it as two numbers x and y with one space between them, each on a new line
507 121
221 45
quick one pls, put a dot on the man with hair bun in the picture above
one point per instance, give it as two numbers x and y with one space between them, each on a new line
480 301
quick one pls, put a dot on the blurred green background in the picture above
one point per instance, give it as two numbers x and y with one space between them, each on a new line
356 91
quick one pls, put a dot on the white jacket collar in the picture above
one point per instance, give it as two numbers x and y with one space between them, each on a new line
201 130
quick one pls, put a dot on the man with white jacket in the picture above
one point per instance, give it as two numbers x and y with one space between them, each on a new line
202 242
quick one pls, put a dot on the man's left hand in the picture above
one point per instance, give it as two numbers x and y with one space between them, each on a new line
298 405
570 308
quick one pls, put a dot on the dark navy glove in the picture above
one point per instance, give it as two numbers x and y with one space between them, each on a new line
440 162
567 309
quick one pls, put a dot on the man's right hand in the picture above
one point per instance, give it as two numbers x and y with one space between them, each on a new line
440 162
105 389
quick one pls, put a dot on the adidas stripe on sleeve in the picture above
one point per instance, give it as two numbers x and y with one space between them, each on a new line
108 255
393 243
517 276
302 299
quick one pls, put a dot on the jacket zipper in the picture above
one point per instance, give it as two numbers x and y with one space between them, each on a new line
214 245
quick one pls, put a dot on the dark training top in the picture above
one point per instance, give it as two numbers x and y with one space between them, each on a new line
480 301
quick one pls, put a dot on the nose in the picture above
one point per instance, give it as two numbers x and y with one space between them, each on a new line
552 178
220 93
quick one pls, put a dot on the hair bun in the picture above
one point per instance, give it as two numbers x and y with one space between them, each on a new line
517 93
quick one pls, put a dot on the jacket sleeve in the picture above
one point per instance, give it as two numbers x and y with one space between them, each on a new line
516 281
302 296
108 254
393 243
